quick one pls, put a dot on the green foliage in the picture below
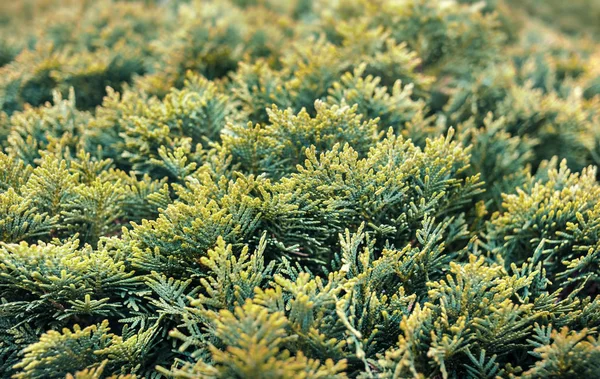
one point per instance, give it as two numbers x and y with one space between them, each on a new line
255 339
20 219
558 213
163 136
281 145
564 126
299 189
393 108
500 158
57 354
570 353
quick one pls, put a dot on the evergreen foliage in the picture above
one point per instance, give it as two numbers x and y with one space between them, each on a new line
299 189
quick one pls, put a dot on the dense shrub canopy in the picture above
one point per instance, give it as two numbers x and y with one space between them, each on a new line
299 189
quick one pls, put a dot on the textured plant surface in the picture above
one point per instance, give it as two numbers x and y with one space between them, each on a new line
299 189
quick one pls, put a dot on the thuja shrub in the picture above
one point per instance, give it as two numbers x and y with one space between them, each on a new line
299 189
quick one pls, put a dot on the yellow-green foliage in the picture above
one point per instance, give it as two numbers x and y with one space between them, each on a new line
299 189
